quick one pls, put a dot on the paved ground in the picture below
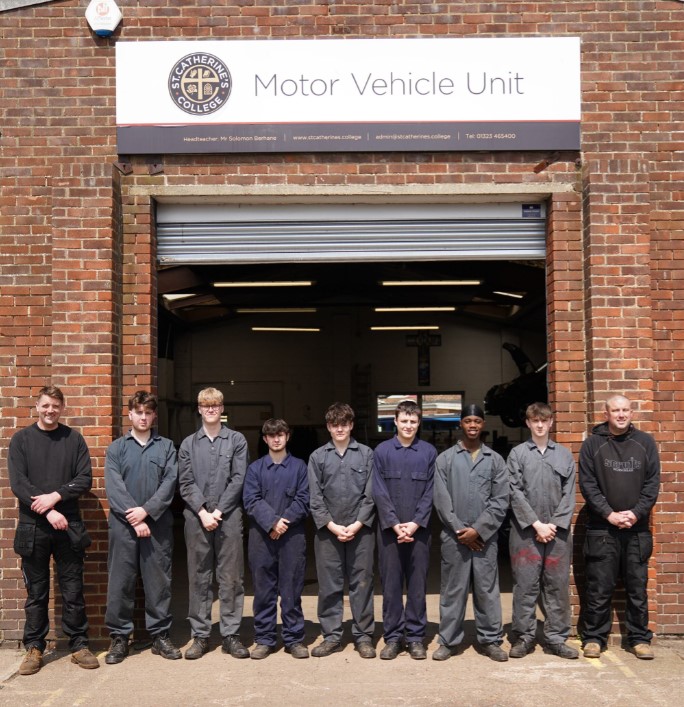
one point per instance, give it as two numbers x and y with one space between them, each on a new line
466 680
469 679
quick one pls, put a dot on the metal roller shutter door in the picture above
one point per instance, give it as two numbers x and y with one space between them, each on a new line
212 234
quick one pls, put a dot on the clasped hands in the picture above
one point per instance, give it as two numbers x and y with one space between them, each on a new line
470 538
405 531
344 533
44 504
622 519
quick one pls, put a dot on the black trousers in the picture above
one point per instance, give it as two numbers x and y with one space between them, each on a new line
609 554
36 570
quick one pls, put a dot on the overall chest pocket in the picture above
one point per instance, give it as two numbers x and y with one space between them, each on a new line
483 481
225 462
155 466
358 476
391 474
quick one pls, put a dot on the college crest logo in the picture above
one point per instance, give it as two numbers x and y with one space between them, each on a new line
200 83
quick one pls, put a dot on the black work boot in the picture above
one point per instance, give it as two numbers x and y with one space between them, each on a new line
118 650
198 648
162 646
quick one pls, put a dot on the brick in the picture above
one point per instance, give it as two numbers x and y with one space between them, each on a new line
77 257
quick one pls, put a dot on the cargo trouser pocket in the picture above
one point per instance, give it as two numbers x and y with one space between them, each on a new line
598 546
645 546
24 539
78 536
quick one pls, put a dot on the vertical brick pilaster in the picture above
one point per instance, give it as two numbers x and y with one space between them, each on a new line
618 298
567 377
139 302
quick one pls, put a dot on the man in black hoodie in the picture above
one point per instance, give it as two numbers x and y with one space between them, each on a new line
619 476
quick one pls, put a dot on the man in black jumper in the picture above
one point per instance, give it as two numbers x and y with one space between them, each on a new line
619 479
49 468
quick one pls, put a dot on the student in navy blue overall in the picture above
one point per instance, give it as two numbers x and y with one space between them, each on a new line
276 499
403 475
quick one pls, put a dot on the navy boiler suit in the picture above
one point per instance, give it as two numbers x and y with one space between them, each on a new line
137 475
273 491
403 480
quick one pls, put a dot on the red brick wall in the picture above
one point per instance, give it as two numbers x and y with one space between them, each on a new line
77 290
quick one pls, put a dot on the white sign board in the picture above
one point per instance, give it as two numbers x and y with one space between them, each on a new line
340 95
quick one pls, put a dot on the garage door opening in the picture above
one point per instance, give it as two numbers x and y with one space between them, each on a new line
288 339
291 306
287 335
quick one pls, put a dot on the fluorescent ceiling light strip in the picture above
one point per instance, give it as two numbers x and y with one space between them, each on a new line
514 295
282 283
285 328
415 309
173 298
276 310
429 327
422 283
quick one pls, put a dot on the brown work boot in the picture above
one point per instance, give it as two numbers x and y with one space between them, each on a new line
592 650
643 651
85 659
33 661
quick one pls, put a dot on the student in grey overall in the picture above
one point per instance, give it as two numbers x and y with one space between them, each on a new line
141 472
211 472
471 499
542 479
343 512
